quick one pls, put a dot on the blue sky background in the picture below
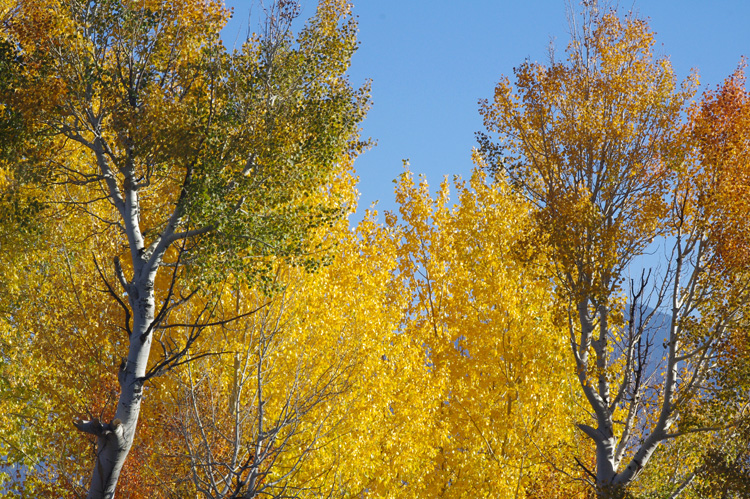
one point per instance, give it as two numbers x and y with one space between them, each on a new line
431 61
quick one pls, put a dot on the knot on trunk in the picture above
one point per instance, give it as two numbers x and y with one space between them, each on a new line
99 429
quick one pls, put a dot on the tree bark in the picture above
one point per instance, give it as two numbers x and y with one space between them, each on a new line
113 445
115 439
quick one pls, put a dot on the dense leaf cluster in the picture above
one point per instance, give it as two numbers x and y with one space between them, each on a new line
178 276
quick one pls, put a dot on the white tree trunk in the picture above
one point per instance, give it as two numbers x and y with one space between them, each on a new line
114 439
113 445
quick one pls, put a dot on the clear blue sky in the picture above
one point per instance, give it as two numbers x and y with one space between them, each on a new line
430 61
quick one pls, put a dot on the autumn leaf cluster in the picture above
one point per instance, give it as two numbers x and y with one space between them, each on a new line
179 275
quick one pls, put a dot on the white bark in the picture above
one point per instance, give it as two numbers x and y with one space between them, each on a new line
113 448
115 439
687 366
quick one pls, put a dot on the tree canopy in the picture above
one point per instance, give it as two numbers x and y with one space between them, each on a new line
186 309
